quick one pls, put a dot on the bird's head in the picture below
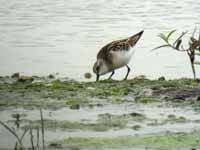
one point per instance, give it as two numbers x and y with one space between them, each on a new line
100 68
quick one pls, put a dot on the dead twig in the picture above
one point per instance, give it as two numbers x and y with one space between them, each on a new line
42 125
31 138
11 131
38 136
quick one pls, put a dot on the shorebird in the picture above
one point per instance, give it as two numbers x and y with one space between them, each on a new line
114 55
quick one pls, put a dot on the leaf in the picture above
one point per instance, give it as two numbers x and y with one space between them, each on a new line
197 62
170 33
166 45
162 36
179 38
178 44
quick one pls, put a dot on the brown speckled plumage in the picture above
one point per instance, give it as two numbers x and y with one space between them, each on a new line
119 45
115 55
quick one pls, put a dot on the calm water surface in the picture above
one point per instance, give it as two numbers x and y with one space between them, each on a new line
63 36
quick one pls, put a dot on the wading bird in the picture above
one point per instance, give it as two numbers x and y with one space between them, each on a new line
115 55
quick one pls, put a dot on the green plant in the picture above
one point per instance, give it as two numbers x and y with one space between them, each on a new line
192 50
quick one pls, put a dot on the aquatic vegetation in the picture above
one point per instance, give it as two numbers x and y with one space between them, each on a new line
172 141
136 127
192 50
117 100
57 93
180 119
90 96
145 99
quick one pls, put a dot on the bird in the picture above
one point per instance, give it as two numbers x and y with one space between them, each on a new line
114 55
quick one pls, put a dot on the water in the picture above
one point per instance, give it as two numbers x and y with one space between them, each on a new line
152 111
47 36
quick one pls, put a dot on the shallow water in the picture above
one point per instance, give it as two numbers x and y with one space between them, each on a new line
46 36
152 111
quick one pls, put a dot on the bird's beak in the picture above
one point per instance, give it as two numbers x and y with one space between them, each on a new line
97 79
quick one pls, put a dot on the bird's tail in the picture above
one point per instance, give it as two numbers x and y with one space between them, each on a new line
134 39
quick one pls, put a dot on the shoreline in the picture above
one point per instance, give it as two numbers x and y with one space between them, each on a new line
127 111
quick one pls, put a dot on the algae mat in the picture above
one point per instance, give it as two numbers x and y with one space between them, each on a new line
135 114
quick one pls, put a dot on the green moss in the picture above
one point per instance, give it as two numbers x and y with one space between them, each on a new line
116 100
103 123
120 120
54 124
173 118
170 141
145 100
39 92
32 103
136 127
76 101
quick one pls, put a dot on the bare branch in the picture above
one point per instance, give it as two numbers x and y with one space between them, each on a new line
42 124
31 138
25 131
38 136
11 131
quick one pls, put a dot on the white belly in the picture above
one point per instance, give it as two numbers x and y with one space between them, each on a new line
121 58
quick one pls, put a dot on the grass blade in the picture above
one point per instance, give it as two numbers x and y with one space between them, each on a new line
179 38
170 33
163 37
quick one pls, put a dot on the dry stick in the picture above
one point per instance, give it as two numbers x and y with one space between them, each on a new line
25 130
193 69
192 65
42 124
31 136
38 136
19 139
16 146
11 131
185 50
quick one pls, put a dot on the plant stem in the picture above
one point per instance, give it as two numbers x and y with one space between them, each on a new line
42 124
31 138
38 136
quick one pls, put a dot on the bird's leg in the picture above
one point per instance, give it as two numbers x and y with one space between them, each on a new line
97 78
113 72
127 72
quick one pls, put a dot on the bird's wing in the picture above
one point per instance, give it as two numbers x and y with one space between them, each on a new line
106 51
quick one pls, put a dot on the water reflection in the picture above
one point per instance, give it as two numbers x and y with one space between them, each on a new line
75 30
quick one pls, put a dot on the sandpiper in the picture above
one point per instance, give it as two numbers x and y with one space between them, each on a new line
115 55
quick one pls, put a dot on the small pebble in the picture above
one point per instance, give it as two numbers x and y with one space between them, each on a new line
88 75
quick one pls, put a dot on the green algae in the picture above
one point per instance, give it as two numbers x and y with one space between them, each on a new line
104 122
136 127
76 101
145 99
166 141
70 125
173 118
74 125
118 100
38 93
39 103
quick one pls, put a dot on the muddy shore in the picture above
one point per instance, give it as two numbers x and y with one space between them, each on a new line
135 114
